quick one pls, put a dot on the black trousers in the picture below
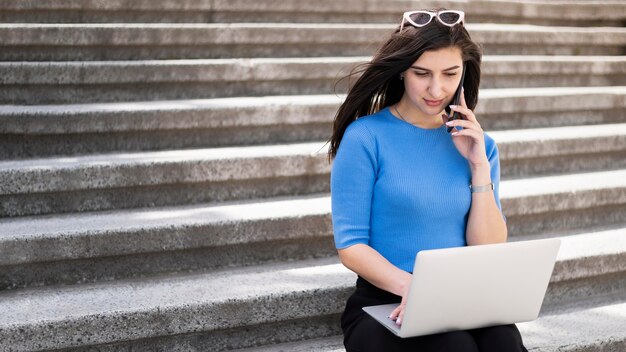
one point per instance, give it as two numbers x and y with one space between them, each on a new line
364 334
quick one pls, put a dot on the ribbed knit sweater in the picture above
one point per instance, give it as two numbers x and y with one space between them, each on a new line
401 189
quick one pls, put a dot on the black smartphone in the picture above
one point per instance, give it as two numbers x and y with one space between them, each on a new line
457 100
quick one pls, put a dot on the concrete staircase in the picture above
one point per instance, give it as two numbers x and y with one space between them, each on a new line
164 185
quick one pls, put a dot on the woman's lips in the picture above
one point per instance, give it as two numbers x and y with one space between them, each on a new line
433 102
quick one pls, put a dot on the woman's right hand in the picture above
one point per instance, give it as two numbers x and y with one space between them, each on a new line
398 314
373 267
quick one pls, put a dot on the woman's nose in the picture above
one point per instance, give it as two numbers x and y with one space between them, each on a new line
435 89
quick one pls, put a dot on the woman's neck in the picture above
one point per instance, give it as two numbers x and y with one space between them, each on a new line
409 113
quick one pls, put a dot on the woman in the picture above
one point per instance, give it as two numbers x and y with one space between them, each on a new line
401 172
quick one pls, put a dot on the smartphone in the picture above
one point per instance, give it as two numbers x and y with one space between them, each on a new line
457 100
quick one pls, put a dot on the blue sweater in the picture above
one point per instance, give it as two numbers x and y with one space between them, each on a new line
401 189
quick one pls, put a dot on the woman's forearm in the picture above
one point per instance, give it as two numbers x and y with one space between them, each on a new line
485 223
373 267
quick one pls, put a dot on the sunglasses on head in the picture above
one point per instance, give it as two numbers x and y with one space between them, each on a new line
421 18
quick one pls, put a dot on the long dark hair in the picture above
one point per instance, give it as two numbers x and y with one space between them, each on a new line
379 84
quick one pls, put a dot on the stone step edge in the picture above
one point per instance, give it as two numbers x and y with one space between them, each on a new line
270 110
503 8
101 171
246 70
508 139
544 142
133 34
531 190
206 295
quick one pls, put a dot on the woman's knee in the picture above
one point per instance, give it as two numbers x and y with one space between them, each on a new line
454 341
499 338
369 335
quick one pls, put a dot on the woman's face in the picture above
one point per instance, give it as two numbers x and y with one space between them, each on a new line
431 81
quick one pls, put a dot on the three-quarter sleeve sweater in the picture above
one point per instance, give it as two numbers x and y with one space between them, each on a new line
401 189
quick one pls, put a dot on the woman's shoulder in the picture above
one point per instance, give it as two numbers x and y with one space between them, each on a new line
365 131
369 123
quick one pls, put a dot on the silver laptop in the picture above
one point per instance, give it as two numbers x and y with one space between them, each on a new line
470 287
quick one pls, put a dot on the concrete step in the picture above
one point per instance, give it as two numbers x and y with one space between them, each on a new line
48 130
89 247
570 13
557 150
555 203
179 311
595 329
216 308
129 180
127 41
111 181
324 344
115 81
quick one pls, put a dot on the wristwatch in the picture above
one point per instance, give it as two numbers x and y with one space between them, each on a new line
481 189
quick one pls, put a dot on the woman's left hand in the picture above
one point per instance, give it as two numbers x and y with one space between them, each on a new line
470 141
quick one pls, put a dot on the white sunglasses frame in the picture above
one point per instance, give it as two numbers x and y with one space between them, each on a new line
406 17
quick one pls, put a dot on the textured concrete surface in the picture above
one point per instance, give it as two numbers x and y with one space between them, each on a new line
239 112
277 69
328 344
262 270
49 130
557 150
162 195
80 82
31 248
542 142
227 340
568 13
587 292
162 167
246 296
596 329
262 162
119 181
142 231
42 42
563 192
565 219
235 33
496 107
162 262
240 297
173 305
123 180
600 253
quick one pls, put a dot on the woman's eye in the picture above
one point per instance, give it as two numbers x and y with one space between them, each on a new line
451 74
421 73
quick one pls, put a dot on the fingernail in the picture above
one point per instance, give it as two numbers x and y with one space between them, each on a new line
450 123
454 133
452 106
